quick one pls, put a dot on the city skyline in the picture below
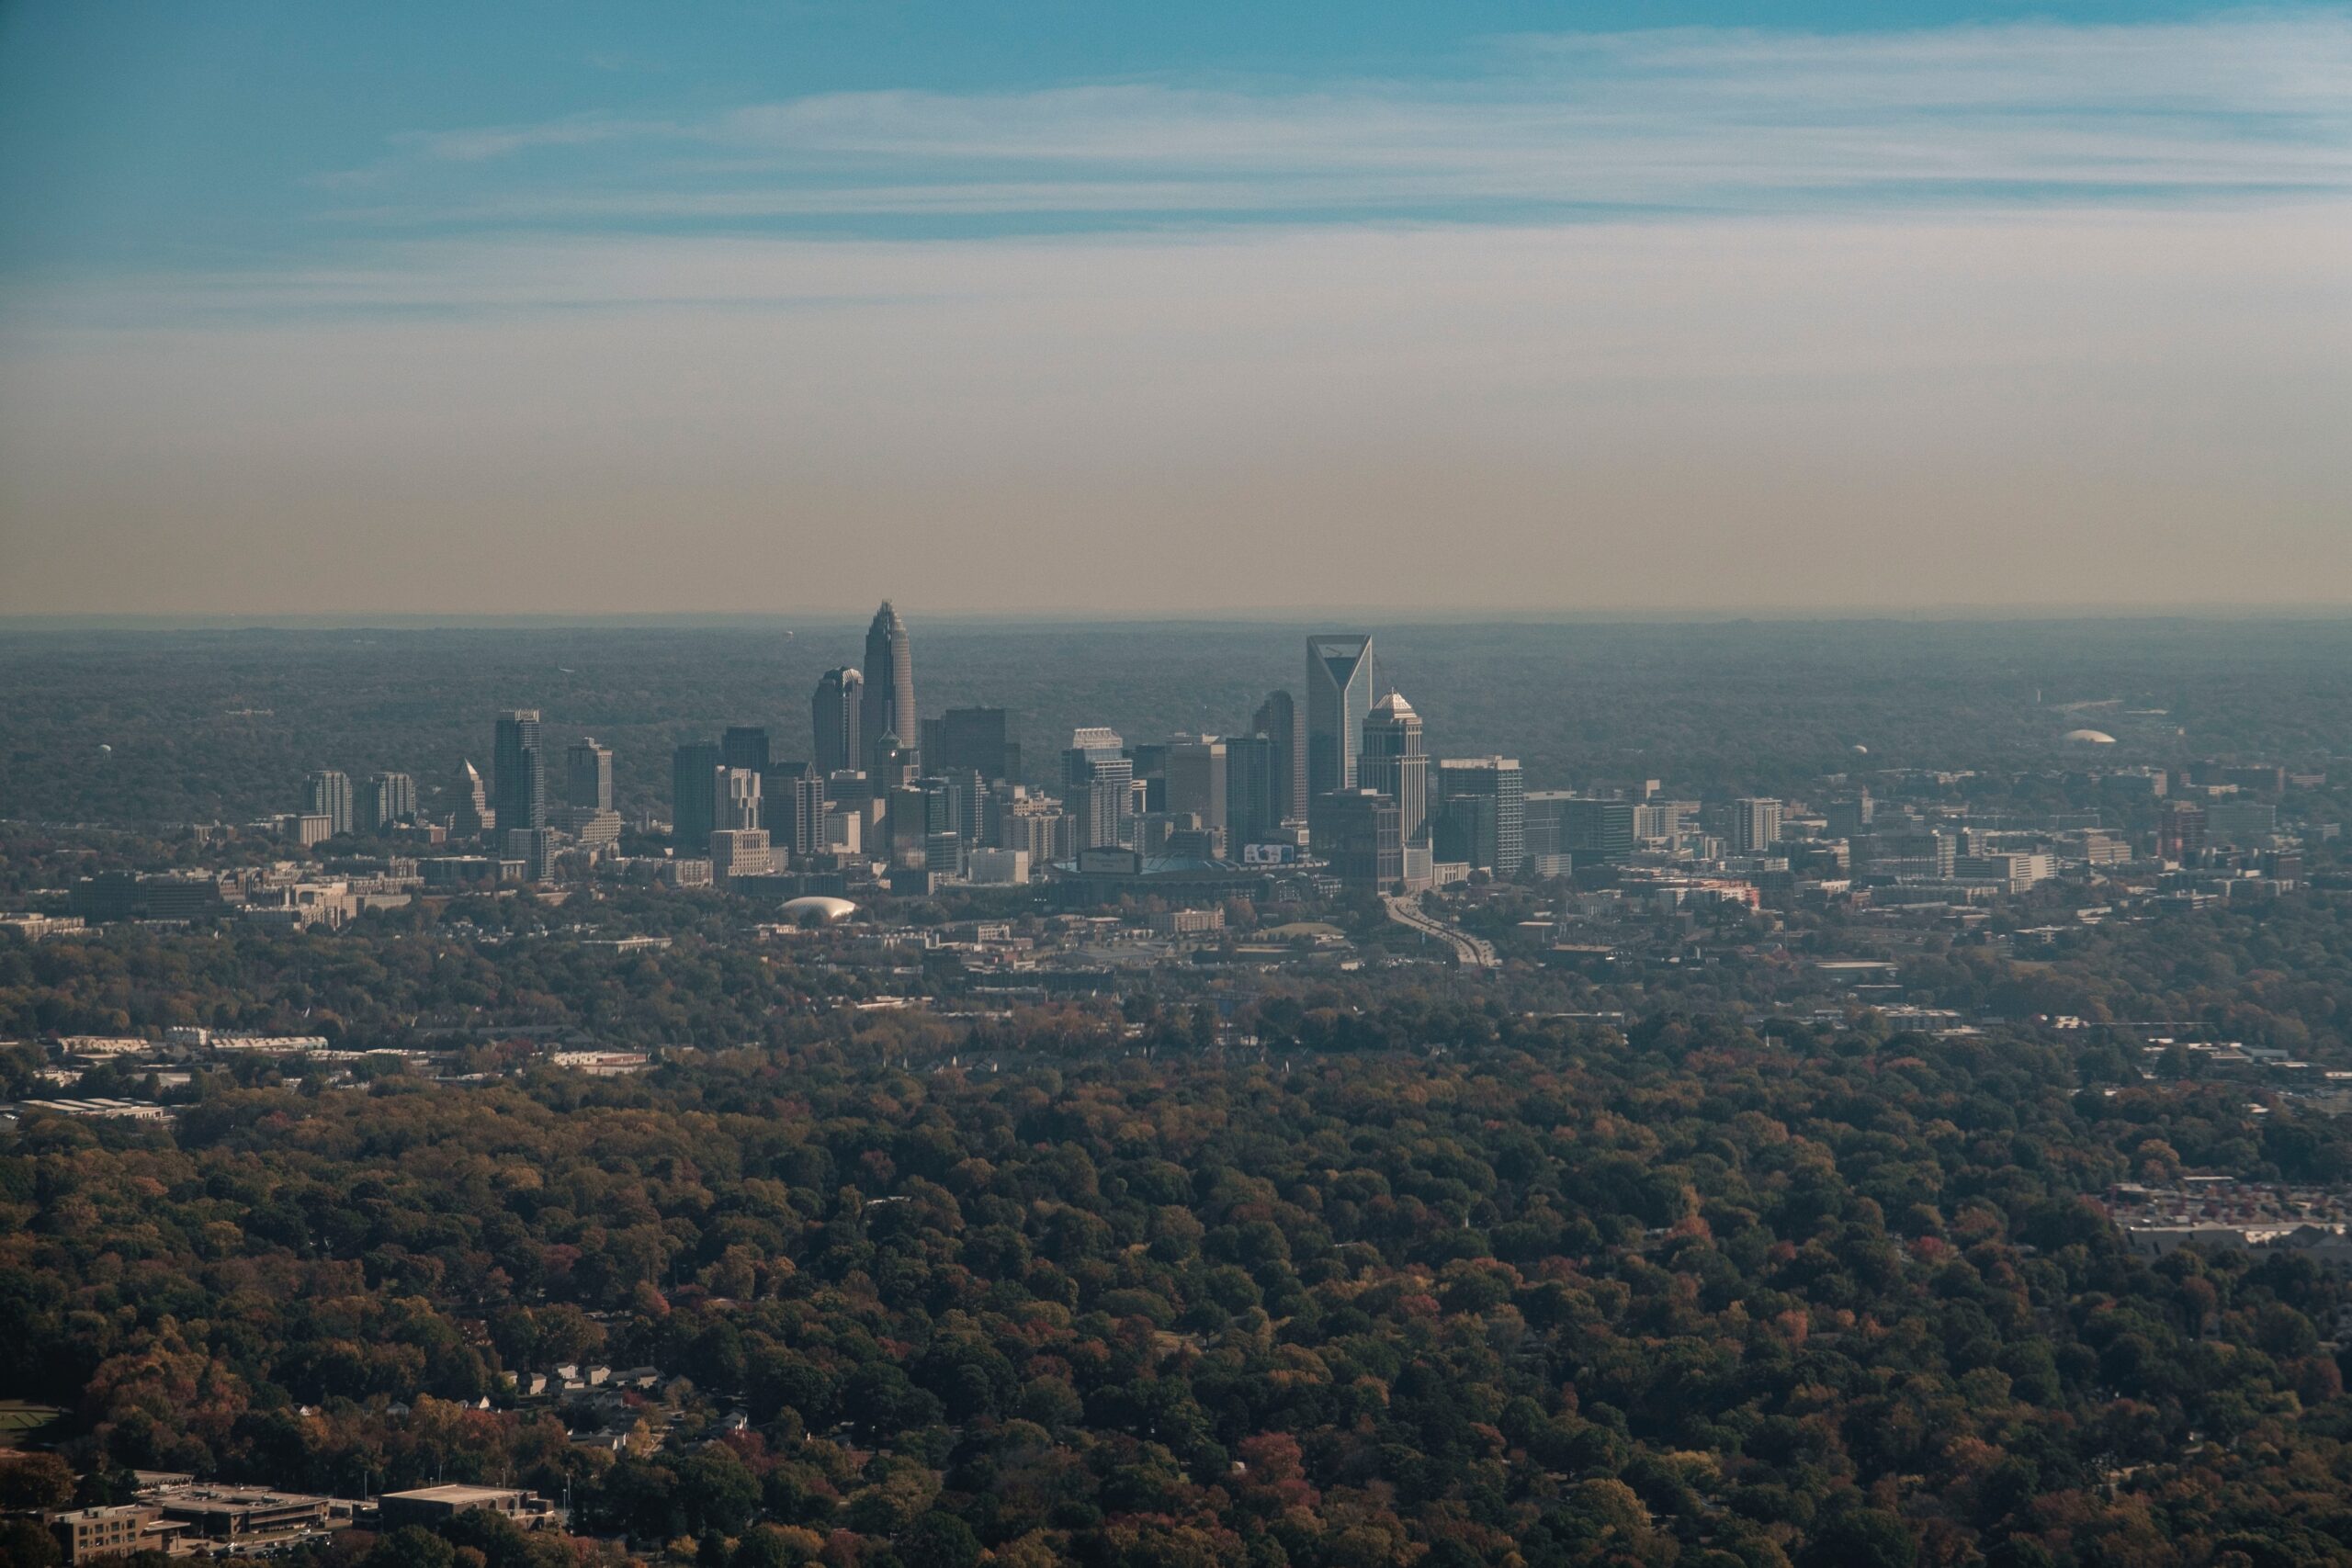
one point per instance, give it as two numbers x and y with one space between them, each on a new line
1795 1013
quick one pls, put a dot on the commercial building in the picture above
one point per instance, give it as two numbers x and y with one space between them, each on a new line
1282 721
792 808
744 746
85 1534
1396 762
1367 838
1196 774
694 793
587 813
1755 825
2241 823
739 851
444 873
129 895
835 713
886 701
518 775
243 1516
1850 818
327 793
1098 779
1483 813
1338 699
33 928
588 777
1256 790
429 1506
389 800
998 868
1588 831
974 739
1034 826
472 817
537 848
735 798
1108 873
2015 872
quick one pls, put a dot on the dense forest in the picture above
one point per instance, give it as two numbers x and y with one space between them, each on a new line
1685 1255
2275 975
1542 1294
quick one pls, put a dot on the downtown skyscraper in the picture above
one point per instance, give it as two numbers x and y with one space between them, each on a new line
1279 720
1338 699
886 707
1395 762
834 713
519 775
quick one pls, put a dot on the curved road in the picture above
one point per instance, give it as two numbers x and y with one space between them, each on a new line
1470 952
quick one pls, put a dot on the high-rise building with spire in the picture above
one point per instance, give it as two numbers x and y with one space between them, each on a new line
834 712
886 707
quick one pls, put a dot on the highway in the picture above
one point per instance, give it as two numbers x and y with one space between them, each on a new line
1470 952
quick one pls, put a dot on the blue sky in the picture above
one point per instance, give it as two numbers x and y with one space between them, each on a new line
134 134
1784 282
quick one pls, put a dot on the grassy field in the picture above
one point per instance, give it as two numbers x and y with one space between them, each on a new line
19 1420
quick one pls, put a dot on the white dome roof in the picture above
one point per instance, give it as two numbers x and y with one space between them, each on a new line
833 909
2088 738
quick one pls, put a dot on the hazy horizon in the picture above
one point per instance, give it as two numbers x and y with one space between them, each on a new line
837 617
1494 310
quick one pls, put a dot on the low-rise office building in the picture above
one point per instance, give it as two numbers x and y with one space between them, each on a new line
430 1505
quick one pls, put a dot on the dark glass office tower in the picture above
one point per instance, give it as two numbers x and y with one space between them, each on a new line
744 746
1367 838
976 739
518 773
887 704
588 778
693 797
833 713
1280 721
791 807
1483 816
1257 798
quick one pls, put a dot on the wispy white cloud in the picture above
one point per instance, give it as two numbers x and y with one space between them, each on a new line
1695 119
485 142
2001 313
